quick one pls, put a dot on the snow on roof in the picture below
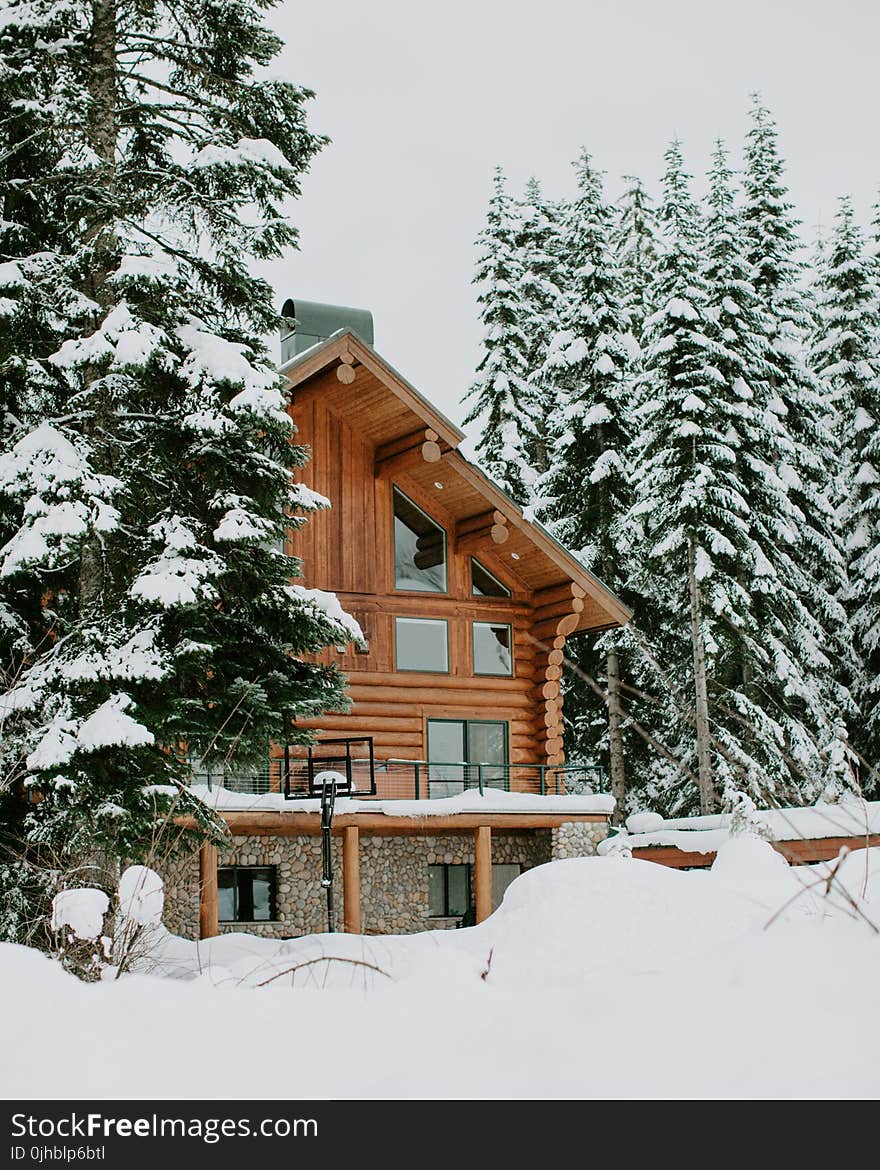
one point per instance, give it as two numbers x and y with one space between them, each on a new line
851 817
493 801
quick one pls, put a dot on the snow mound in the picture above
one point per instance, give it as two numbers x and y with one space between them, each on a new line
595 979
141 894
644 822
80 911
748 855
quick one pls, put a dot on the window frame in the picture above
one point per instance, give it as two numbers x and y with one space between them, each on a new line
403 617
444 592
273 892
508 592
446 867
491 673
467 723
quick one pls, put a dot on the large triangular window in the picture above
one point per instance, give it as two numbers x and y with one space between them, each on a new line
419 548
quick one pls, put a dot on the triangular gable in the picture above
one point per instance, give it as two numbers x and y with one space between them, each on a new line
387 409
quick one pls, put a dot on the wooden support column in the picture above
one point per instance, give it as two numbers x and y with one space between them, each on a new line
351 879
483 872
209 910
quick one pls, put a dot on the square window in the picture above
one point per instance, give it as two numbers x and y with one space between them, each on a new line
421 644
246 893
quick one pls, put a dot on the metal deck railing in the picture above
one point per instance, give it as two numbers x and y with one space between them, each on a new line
399 779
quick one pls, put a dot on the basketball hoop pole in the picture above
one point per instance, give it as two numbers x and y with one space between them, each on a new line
328 800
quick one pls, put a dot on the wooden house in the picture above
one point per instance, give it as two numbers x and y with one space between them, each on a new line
466 607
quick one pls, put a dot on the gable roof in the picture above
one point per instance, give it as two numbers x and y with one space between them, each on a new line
330 353
385 408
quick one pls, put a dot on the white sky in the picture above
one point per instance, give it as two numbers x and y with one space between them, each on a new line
422 100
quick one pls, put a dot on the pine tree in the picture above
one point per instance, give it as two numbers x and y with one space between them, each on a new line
776 646
148 475
539 244
501 398
796 406
587 487
845 355
637 247
688 495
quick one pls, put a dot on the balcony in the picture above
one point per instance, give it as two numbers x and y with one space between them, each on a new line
398 779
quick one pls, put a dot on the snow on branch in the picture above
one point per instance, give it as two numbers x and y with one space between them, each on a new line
63 498
213 360
327 605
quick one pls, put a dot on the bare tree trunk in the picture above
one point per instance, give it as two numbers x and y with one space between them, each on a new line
101 236
704 756
615 739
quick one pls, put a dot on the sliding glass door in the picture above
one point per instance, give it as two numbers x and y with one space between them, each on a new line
462 752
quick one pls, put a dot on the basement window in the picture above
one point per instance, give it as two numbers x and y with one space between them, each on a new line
419 548
449 890
246 893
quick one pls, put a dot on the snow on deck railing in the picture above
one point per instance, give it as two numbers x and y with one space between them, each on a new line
399 779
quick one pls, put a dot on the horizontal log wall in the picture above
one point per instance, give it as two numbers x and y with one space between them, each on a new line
349 550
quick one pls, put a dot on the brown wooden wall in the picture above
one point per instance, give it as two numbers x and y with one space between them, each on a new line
349 550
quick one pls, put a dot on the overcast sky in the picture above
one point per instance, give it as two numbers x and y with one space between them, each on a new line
423 100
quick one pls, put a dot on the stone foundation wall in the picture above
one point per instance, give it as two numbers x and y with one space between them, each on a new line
394 874
181 877
394 880
577 839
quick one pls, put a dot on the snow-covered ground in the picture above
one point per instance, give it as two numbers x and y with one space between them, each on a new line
599 977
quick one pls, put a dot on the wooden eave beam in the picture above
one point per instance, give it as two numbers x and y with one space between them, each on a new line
409 442
300 824
484 530
413 450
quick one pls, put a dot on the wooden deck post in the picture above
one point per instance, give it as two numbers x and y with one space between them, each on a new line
351 879
483 872
209 911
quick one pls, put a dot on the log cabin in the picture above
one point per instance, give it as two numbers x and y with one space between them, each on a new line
455 729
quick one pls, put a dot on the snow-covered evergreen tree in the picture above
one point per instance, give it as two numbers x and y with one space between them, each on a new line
797 406
147 476
636 246
587 488
540 245
501 397
688 494
771 695
845 355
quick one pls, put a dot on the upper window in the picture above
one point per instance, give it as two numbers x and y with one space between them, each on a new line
421 644
419 548
492 648
483 584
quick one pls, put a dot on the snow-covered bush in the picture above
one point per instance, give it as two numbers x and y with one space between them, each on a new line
94 938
